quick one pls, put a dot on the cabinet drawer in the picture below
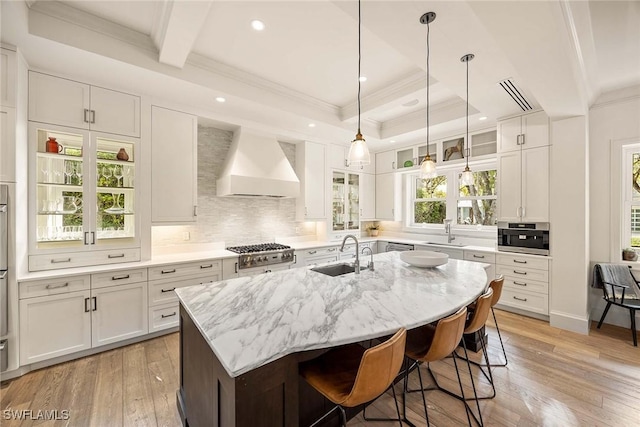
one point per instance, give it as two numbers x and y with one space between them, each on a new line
313 261
186 269
122 277
82 259
521 273
523 261
161 291
164 317
61 285
518 285
309 253
537 303
480 256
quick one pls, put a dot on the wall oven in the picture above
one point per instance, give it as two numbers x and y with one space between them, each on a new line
524 237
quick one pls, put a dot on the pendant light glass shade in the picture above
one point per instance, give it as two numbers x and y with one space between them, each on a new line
467 176
428 166
358 151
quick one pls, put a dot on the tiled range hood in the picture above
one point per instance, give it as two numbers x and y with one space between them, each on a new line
256 166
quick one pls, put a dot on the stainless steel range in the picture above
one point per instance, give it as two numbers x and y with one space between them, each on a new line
263 254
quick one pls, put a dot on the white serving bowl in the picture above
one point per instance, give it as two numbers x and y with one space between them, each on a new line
424 258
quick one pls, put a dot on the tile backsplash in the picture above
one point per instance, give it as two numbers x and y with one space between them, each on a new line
233 220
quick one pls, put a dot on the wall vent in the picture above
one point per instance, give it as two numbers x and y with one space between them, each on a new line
516 94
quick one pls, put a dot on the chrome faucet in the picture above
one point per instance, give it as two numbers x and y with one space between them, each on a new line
356 264
370 264
447 229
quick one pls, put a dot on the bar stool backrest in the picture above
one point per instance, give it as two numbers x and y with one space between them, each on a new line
496 285
481 312
447 336
378 368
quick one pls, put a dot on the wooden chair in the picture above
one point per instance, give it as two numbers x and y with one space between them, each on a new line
351 375
429 344
620 294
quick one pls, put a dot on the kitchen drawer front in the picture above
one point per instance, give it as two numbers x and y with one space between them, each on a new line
529 301
313 261
161 291
122 277
480 256
307 253
82 259
522 261
186 269
62 285
164 317
521 273
518 285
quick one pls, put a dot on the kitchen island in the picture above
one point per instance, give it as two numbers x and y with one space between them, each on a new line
242 339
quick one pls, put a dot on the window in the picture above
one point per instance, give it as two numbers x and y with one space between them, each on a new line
434 200
631 196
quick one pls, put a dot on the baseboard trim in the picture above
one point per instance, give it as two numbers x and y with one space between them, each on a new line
569 322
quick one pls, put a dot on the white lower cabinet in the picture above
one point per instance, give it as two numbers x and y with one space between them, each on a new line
118 313
526 282
318 256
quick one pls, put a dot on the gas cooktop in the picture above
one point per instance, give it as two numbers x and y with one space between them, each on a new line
261 247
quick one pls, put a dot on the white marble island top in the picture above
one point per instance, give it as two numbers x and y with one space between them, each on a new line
251 321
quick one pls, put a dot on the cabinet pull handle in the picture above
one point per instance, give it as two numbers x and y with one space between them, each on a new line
519 262
64 285
86 113
478 256
126 276
393 165
346 163
524 212
331 249
93 116
236 267
312 252
86 238
87 308
519 283
520 299
95 303
195 210
206 266
168 271
523 140
110 256
267 271
93 238
295 258
59 261
524 273
164 316
168 290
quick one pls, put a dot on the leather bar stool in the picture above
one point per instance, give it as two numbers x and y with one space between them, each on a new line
352 375
496 285
432 343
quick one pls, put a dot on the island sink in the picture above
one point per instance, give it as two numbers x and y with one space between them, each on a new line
334 270
455 245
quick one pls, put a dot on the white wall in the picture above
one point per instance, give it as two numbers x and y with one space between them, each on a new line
614 117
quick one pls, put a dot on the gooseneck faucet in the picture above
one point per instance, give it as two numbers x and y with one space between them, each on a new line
447 229
370 264
356 264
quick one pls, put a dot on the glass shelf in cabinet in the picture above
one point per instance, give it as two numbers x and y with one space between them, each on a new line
59 156
68 187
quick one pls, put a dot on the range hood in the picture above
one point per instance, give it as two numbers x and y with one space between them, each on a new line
256 166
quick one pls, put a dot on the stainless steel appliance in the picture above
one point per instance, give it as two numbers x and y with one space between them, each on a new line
263 254
398 247
524 237
4 262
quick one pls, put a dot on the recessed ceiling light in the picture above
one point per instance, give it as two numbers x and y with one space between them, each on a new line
410 103
257 25
220 99
312 125
482 118
392 141
363 78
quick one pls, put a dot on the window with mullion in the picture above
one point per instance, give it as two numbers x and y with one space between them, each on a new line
430 200
477 204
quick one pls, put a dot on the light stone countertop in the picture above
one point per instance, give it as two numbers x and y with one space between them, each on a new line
251 321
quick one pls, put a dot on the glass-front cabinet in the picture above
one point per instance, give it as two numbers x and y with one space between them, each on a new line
345 201
84 190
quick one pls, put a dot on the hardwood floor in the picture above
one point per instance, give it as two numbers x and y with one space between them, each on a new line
554 378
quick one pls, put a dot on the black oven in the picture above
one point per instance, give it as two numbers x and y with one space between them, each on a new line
524 237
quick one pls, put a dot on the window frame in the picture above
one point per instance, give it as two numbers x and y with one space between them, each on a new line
627 202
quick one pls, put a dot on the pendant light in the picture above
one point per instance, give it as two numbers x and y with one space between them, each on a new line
358 152
467 176
428 166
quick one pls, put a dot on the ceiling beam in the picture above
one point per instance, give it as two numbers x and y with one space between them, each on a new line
176 28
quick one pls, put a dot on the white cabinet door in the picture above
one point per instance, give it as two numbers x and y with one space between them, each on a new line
115 112
338 156
58 101
509 186
174 166
386 208
535 128
7 78
311 171
119 313
508 132
54 325
368 196
7 144
535 185
385 161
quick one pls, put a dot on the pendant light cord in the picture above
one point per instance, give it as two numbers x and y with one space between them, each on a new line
428 53
359 59
467 153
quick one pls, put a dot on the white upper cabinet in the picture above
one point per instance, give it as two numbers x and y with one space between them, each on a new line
174 166
367 196
529 131
7 77
385 161
338 159
311 170
66 102
535 185
7 144
388 196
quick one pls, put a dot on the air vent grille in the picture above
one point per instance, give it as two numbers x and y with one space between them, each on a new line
516 94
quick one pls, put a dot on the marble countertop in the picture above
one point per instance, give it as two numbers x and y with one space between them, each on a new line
251 321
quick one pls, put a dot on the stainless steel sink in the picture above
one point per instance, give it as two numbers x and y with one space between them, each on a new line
454 245
334 270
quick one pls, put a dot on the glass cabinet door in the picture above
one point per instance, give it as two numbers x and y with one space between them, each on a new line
338 201
353 222
345 201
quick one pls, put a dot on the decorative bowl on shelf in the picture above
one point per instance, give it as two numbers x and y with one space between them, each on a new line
424 258
408 164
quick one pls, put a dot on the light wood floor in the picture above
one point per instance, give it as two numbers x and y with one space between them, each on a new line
554 378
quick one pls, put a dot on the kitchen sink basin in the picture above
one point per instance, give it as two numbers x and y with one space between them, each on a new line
453 245
334 270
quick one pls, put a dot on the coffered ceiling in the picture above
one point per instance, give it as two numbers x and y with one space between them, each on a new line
302 68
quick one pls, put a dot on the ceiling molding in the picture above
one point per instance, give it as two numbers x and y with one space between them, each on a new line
160 22
389 94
